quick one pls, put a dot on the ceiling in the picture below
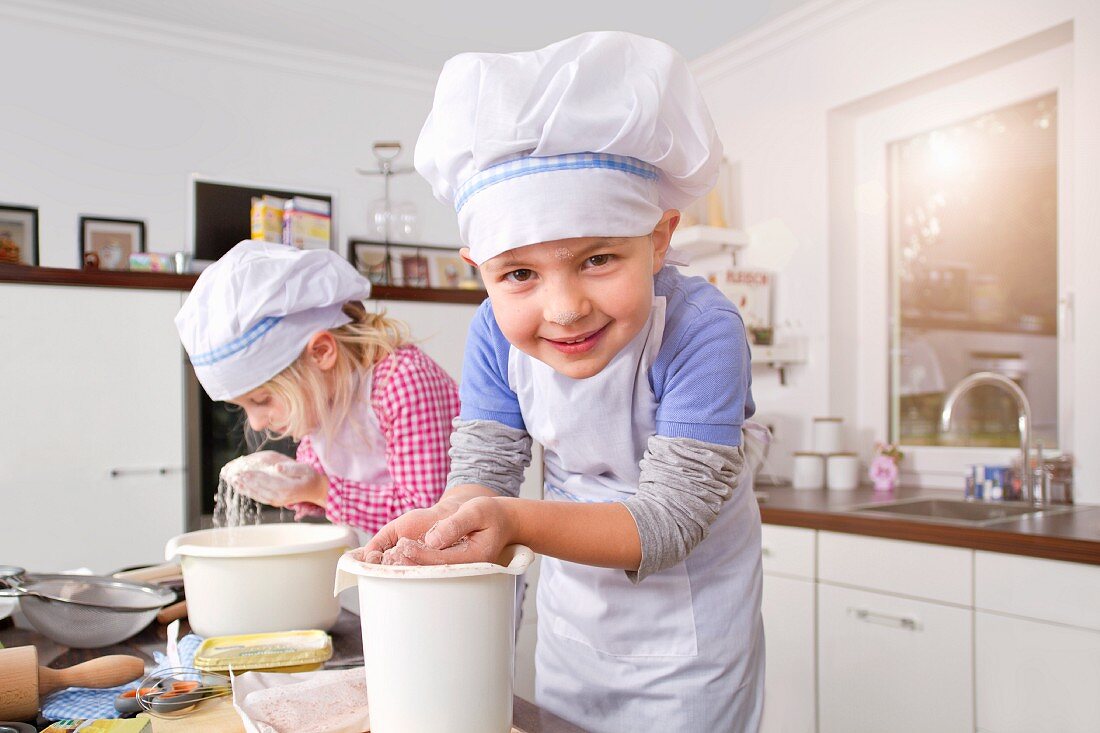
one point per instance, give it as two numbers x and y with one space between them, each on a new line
424 33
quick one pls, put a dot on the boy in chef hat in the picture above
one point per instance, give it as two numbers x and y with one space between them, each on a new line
567 167
283 333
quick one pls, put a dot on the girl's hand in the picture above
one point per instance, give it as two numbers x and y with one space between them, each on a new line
477 532
283 481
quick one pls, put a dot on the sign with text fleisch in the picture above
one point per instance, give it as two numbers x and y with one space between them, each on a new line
751 291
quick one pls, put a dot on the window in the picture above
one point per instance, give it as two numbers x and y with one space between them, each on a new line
973 238
956 258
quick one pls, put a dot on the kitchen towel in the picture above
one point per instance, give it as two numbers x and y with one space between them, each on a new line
85 702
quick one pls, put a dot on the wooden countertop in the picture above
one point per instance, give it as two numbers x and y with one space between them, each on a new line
1073 536
347 645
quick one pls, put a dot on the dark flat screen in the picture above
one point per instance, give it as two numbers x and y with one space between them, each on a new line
223 215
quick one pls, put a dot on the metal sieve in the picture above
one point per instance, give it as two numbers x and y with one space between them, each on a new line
85 611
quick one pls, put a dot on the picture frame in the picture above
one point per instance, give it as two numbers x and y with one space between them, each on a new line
18 235
411 266
372 260
106 244
448 269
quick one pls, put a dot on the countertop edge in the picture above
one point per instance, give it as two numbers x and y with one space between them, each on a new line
1048 547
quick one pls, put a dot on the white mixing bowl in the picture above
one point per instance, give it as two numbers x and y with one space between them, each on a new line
255 579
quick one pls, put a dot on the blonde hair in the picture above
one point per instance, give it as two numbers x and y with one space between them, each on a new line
320 401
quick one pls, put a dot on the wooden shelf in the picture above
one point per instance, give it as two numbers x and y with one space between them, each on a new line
95 278
170 281
430 295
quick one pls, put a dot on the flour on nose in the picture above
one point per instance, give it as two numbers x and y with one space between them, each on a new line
567 318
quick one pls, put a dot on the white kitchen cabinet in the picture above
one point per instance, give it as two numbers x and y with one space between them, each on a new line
1048 590
887 663
788 551
895 635
92 382
1037 642
916 569
1035 677
790 700
789 622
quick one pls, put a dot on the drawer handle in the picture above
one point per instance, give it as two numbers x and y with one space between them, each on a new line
885 619
161 471
766 552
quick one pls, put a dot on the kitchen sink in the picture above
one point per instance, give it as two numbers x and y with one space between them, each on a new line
956 511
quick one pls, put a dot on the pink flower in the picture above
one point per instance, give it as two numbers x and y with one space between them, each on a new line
883 472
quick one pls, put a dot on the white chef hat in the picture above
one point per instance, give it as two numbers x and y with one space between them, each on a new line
252 312
595 135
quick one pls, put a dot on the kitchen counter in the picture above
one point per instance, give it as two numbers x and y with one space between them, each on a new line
1072 536
347 650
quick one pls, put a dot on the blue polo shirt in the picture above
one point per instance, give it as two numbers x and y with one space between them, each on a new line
701 377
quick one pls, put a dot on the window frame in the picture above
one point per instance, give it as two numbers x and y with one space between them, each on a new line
878 319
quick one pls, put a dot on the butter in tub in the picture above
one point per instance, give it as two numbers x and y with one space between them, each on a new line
279 651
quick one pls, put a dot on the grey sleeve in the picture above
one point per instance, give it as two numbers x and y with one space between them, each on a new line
683 485
490 454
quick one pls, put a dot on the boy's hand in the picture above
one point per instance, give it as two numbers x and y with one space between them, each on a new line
477 532
413 524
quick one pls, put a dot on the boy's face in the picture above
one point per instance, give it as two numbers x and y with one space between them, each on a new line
576 303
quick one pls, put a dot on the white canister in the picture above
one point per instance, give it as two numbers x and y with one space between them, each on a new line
809 470
842 471
260 578
438 642
826 435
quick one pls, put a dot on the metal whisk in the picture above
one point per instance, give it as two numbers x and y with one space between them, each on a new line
175 691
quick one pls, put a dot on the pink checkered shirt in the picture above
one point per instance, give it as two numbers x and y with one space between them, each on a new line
414 401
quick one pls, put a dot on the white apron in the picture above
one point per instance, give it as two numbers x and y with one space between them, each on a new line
358 449
684 649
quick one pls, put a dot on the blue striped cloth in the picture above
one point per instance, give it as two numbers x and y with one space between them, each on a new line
520 166
84 702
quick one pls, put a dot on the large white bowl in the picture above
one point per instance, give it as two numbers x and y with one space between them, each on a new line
255 579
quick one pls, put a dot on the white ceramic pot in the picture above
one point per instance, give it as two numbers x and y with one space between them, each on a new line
268 577
438 643
842 471
827 435
809 470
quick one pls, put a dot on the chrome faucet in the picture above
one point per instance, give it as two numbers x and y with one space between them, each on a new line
1023 409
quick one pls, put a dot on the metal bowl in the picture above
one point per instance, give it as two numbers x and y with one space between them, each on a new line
86 611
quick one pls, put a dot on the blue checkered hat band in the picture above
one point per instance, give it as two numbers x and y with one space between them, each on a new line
530 165
238 344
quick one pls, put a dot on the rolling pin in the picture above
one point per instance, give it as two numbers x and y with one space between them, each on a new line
23 682
168 614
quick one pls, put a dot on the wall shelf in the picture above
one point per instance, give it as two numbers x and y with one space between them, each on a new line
780 356
702 241
170 281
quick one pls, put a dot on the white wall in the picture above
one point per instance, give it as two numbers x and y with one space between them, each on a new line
774 94
111 117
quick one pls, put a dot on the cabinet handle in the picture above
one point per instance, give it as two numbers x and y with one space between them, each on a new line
158 471
766 552
885 619
1066 316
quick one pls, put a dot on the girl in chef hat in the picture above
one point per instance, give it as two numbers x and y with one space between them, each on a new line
567 167
283 333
